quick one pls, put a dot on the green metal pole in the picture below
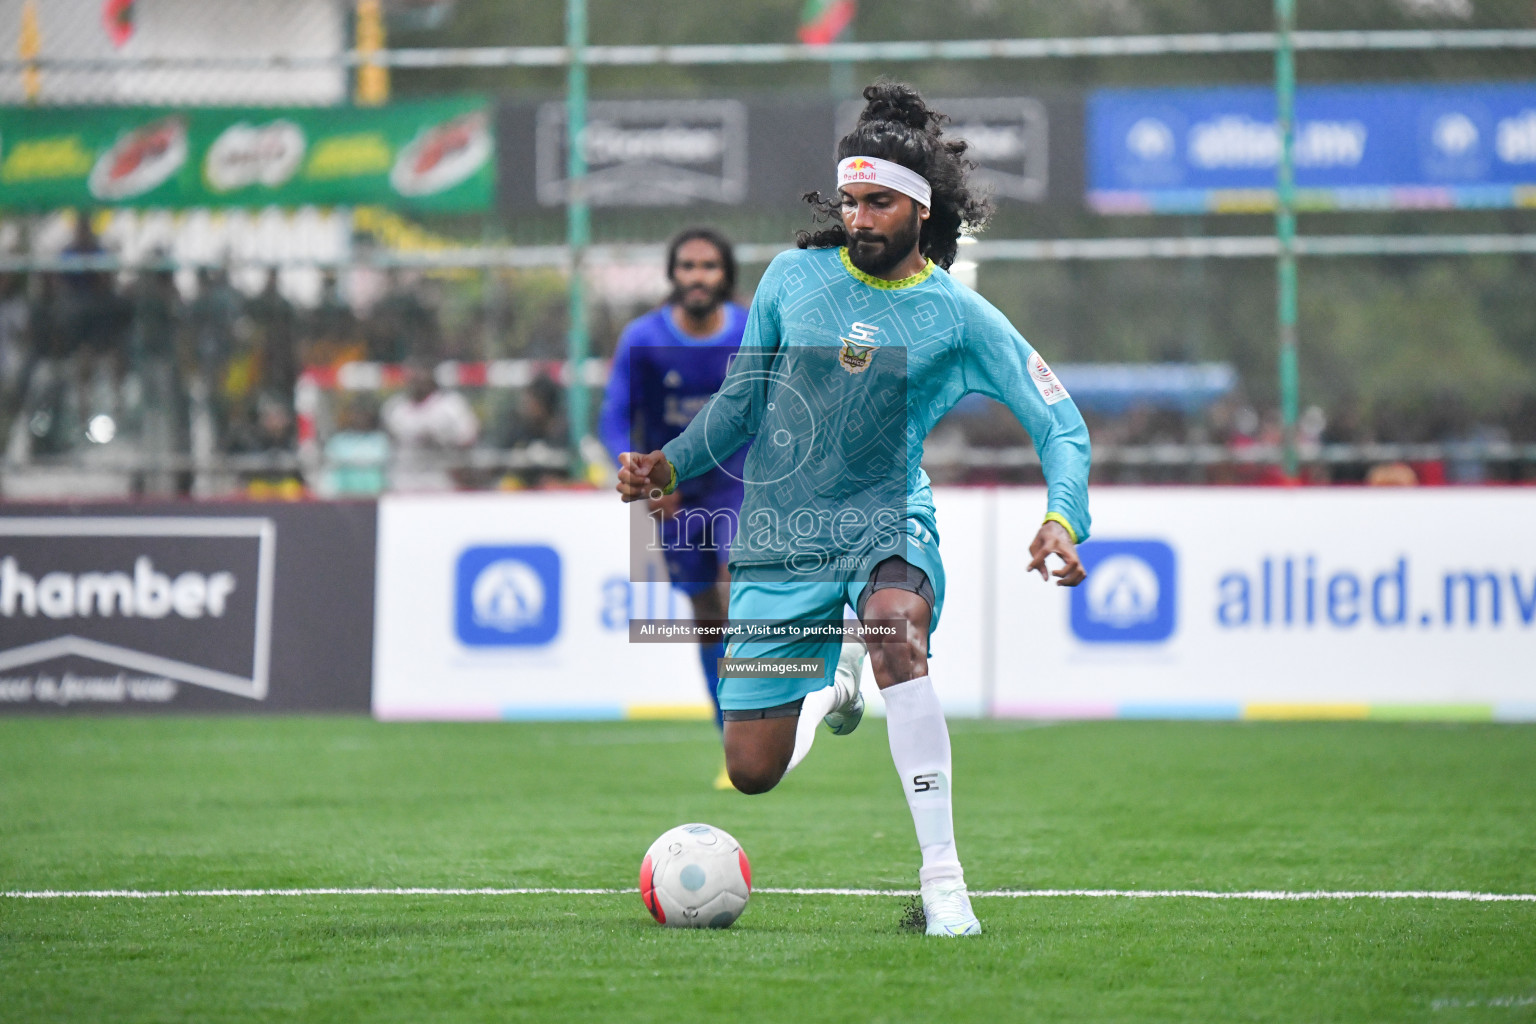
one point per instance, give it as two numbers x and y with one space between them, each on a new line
578 227
1285 224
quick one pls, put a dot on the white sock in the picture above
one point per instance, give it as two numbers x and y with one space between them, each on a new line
816 706
850 662
920 747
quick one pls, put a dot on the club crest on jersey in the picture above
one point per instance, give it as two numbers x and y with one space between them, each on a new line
858 350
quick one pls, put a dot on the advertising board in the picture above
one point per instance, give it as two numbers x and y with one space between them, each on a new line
518 606
1210 602
648 152
241 608
1356 147
422 155
1228 603
767 153
1008 138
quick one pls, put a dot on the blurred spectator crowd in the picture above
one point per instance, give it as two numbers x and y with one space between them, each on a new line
175 371
201 385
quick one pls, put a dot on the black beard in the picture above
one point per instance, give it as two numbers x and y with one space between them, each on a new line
877 255
698 308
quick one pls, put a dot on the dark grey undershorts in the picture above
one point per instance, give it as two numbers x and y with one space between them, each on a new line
790 710
899 574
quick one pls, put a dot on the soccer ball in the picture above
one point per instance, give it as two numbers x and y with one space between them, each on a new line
695 876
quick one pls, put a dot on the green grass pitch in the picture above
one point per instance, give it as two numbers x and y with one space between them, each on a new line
205 803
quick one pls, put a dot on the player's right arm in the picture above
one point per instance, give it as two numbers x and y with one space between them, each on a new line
644 475
730 418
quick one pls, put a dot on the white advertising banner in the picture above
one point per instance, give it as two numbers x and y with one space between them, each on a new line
518 606
1209 602
1261 603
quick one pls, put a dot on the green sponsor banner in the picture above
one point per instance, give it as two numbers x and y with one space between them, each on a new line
432 155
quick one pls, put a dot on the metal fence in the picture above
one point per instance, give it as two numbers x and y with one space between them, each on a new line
168 351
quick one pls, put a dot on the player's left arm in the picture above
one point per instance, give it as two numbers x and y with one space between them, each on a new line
1000 364
1053 539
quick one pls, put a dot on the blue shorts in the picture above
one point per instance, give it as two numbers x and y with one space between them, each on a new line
761 593
697 544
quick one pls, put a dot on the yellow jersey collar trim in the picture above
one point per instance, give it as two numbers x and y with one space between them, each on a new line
880 282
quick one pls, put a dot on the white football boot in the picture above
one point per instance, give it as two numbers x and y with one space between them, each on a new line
947 906
848 712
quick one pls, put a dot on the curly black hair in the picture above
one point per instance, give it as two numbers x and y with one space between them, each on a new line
897 125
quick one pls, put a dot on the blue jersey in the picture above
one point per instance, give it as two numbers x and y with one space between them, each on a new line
661 378
840 378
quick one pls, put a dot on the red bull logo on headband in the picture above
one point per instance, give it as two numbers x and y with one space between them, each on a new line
859 169
874 171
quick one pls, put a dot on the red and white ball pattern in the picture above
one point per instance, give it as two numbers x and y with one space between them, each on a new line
695 876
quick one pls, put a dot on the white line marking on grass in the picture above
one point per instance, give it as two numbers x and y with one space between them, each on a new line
1456 1004
155 894
1197 894
1261 894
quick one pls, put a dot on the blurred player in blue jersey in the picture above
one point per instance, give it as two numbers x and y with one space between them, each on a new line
855 346
668 364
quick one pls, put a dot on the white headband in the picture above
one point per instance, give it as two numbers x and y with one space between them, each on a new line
871 170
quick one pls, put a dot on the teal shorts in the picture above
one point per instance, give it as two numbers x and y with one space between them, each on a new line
761 593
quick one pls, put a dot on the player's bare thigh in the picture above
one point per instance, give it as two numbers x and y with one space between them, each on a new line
757 751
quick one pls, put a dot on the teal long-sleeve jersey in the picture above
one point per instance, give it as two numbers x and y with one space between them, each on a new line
839 379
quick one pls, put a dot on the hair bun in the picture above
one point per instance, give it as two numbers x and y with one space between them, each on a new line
893 101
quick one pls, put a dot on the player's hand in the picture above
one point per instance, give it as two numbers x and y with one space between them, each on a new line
1053 539
640 474
666 506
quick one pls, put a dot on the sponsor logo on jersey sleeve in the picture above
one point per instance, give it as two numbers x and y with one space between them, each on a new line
1045 381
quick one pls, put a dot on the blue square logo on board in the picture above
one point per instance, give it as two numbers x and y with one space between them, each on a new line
507 596
1131 594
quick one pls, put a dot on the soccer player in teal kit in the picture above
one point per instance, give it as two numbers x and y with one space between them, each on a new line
855 346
